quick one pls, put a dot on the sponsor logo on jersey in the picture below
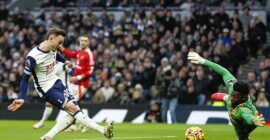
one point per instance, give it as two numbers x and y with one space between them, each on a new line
50 68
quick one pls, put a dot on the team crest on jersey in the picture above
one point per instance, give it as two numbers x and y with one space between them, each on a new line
27 63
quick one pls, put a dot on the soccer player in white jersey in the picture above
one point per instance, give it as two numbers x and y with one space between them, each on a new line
85 61
61 71
40 63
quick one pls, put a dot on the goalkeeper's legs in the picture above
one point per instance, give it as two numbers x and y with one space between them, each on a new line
46 114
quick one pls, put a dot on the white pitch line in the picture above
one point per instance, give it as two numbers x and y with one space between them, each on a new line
128 138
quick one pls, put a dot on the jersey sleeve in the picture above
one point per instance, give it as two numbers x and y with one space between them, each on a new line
228 78
30 64
246 114
60 58
70 53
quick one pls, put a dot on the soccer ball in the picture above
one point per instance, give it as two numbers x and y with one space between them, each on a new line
194 133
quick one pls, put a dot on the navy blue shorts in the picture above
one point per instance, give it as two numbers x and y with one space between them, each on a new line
58 95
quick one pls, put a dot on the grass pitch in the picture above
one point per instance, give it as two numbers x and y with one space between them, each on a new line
22 130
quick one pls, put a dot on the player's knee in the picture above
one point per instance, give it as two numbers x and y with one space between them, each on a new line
71 107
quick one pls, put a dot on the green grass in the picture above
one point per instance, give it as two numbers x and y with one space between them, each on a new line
22 130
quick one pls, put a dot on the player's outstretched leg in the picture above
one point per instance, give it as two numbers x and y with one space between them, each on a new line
85 120
60 116
88 122
63 123
46 114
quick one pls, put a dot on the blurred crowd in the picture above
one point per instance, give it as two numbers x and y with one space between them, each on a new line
259 81
143 56
150 3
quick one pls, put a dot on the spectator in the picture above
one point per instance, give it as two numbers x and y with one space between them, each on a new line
201 83
4 12
255 36
187 7
260 25
120 96
169 90
165 66
262 100
252 80
11 95
221 18
2 94
137 95
153 114
245 17
104 93
188 94
265 82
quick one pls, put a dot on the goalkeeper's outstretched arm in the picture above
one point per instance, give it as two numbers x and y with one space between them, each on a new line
226 75
255 119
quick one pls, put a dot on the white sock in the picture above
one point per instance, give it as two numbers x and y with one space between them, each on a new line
64 122
46 114
86 121
60 115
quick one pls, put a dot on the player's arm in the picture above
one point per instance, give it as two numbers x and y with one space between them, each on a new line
69 53
30 64
250 118
226 75
60 58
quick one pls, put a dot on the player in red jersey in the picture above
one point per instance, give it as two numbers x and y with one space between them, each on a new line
84 67
85 62
80 80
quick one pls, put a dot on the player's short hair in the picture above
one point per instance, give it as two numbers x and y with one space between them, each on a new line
55 31
241 87
84 35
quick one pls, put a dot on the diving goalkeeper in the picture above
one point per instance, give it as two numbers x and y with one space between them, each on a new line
243 114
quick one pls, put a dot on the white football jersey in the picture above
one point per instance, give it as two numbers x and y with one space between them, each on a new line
41 65
62 71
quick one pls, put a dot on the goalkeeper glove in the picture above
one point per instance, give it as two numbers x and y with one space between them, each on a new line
258 119
195 58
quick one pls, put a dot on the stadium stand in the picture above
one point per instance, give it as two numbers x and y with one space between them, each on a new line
139 47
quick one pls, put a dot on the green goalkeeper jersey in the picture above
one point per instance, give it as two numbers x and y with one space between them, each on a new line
241 116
